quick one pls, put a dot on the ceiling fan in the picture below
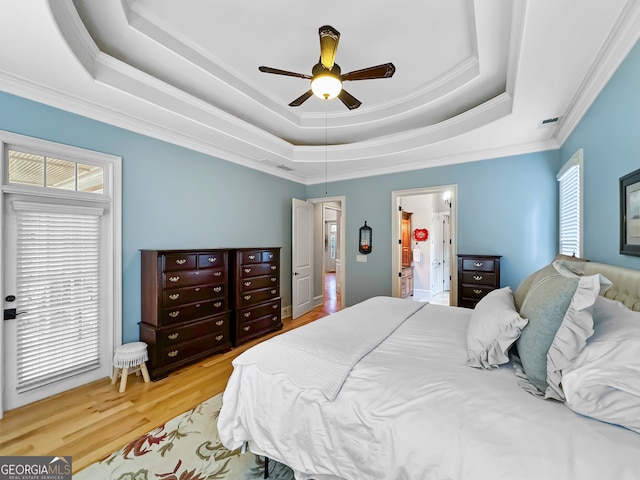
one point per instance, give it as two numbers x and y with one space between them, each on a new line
326 77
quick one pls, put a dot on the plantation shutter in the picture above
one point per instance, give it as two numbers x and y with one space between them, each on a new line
570 208
57 280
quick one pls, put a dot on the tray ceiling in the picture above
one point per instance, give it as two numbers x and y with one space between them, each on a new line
474 79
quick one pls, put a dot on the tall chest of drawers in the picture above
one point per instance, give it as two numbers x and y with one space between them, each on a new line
255 297
477 276
185 307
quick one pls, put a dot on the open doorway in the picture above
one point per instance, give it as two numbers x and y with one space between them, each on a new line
329 273
424 243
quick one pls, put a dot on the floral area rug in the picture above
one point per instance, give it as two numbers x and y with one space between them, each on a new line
185 448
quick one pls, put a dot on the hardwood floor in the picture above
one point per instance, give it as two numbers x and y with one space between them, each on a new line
92 421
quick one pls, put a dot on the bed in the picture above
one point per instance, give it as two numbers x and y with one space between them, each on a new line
386 390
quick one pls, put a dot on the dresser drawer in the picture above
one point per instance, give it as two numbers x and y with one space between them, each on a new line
185 350
189 278
258 296
479 278
475 292
181 296
252 256
211 259
249 314
257 270
168 336
193 311
478 265
271 256
254 283
179 261
258 326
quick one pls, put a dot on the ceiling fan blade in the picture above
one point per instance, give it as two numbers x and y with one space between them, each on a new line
284 72
380 71
301 99
329 37
349 100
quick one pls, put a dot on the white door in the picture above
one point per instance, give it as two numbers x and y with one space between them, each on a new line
436 255
446 235
51 344
302 258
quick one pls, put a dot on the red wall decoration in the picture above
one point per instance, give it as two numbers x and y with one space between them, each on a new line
420 234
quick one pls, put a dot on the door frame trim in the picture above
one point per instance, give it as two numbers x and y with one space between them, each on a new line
343 208
396 248
112 164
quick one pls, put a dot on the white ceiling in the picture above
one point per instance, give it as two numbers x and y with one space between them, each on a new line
474 79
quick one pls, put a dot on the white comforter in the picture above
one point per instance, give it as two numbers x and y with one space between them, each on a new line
412 409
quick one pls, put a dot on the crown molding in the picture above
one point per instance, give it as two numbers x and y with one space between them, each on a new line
621 40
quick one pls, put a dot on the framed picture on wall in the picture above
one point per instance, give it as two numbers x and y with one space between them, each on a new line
630 214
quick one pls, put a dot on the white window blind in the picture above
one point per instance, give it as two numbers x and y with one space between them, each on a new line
570 206
57 276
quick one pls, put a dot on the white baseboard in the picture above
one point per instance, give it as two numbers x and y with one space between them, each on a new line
285 312
319 300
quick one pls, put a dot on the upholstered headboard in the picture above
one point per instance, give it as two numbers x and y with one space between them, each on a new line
626 282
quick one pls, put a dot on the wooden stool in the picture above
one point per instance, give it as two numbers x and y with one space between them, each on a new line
130 358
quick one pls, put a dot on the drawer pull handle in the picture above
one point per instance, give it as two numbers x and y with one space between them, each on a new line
477 291
274 306
252 257
273 292
197 273
217 274
270 256
247 328
212 259
197 305
478 264
220 323
274 318
247 297
173 336
247 270
219 337
247 315
172 353
273 267
247 284
198 289
174 314
174 296
477 278
217 289
274 279
217 304
180 261
174 279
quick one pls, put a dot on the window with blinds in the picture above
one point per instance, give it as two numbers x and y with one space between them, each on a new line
570 206
58 284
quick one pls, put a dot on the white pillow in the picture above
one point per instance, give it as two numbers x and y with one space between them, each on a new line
603 381
495 324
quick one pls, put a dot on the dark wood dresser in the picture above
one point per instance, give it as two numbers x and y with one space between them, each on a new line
185 307
255 294
477 276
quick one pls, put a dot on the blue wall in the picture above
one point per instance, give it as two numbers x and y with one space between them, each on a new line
172 197
506 206
609 133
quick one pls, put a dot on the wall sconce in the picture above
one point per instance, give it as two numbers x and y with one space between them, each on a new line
364 245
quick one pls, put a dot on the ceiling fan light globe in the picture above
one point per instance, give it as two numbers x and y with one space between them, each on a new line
326 86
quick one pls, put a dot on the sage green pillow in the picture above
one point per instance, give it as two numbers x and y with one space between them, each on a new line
559 323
